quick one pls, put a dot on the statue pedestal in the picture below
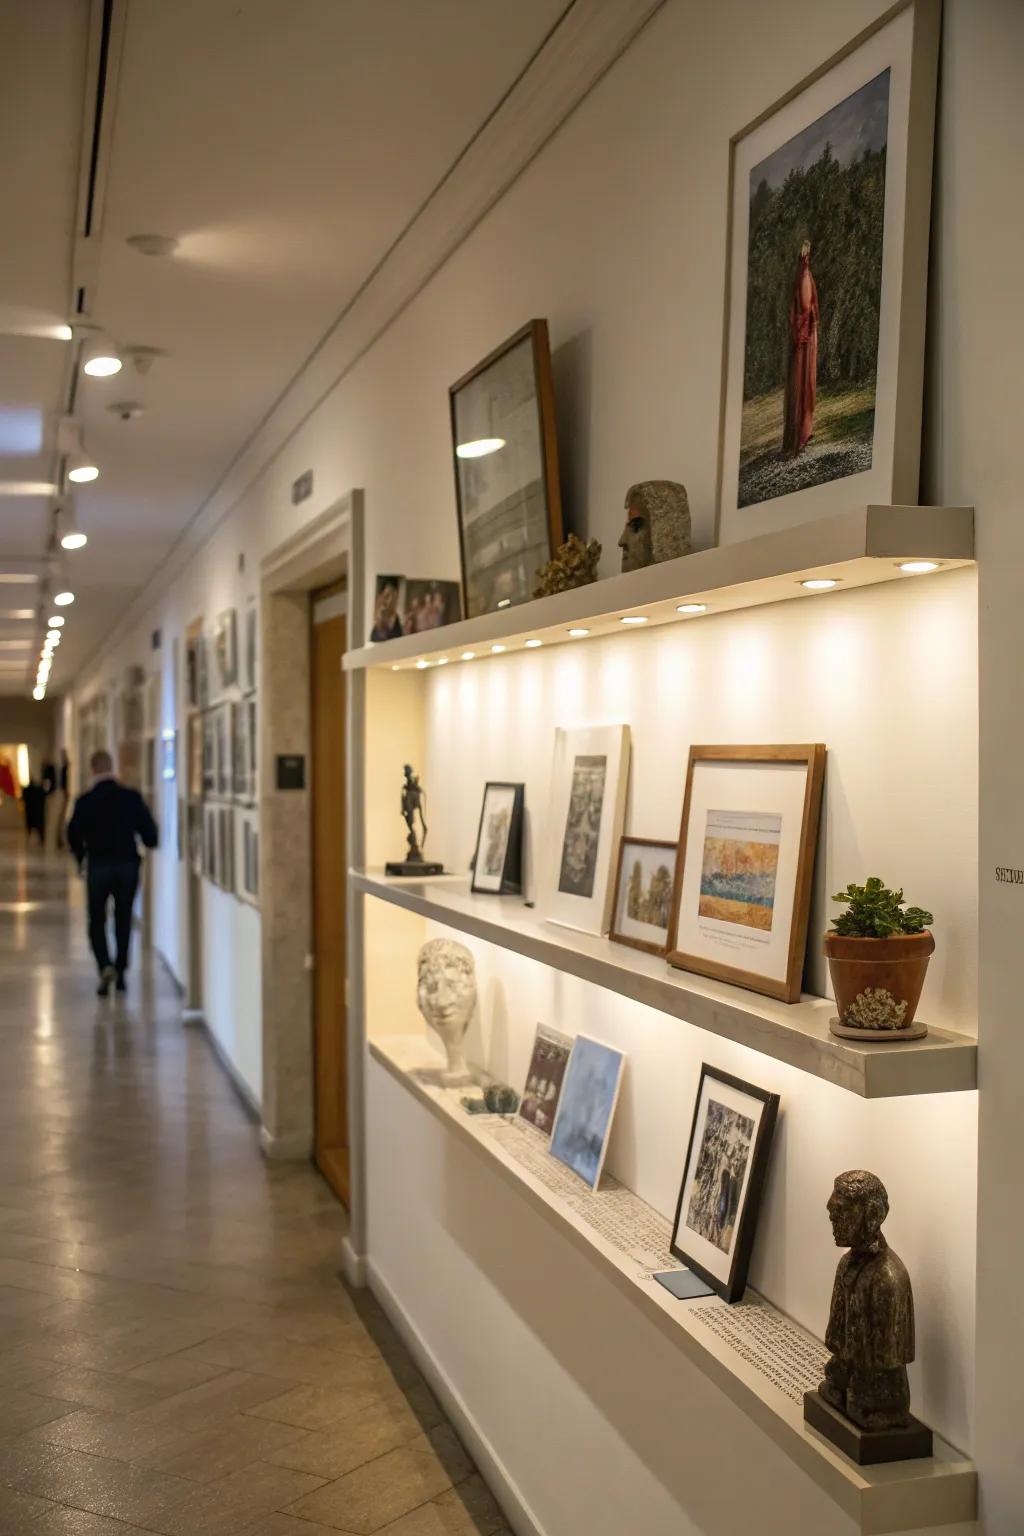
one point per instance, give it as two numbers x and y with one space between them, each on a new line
867 1447
414 868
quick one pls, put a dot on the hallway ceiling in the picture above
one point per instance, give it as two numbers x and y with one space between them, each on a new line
285 147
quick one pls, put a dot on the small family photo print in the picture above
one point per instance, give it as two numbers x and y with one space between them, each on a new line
586 809
590 1092
643 893
548 1061
746 860
412 605
723 1179
497 861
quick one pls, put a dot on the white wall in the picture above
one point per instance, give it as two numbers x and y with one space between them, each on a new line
616 233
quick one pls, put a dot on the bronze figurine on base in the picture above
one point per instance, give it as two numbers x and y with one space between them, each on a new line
863 1404
413 800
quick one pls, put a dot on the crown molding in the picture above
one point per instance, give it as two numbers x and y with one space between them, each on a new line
583 45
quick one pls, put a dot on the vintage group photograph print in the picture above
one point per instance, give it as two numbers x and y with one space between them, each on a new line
586 808
586 1107
723 1179
506 471
642 905
497 862
828 268
412 605
548 1061
746 861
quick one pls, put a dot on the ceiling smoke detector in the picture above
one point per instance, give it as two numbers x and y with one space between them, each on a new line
126 410
142 358
153 245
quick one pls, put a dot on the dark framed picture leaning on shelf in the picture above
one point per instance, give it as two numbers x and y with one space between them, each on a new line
827 279
497 862
505 455
723 1180
746 860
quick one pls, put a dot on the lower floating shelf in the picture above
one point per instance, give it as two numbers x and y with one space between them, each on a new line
796 1033
752 1352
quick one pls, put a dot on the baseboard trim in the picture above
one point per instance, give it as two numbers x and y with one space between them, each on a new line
243 1092
493 1470
169 968
353 1263
294 1148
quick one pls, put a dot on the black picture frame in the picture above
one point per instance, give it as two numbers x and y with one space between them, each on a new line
480 592
733 1285
511 882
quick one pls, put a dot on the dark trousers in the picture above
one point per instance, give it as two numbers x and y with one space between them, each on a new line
115 882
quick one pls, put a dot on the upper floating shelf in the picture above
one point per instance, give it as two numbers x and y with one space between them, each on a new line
796 1033
859 549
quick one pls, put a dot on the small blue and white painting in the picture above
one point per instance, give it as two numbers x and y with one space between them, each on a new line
585 1108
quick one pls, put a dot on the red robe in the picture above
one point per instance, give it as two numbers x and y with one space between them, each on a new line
802 375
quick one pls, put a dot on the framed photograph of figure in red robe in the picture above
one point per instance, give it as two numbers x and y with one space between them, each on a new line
826 291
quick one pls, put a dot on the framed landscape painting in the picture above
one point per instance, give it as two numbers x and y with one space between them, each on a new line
506 471
827 286
644 878
723 1179
746 861
586 809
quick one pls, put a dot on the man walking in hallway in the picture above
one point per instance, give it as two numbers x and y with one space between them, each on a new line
108 823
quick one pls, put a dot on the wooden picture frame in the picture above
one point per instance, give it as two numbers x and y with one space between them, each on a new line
723 928
864 414
510 575
616 931
732 1200
507 880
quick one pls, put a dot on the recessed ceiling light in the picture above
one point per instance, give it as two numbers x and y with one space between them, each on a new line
692 608
479 448
100 359
422 665
442 661
634 618
577 634
820 583
919 567
81 469
38 692
468 655
153 245
73 537
64 598
496 650
395 667
53 636
55 621
531 645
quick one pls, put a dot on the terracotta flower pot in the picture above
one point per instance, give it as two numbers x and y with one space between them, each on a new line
877 984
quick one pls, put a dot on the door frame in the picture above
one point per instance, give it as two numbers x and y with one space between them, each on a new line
327 549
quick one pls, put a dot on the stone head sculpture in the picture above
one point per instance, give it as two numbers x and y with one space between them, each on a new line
446 993
857 1207
657 524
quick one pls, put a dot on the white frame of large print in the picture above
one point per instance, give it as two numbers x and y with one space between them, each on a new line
581 756
746 860
891 67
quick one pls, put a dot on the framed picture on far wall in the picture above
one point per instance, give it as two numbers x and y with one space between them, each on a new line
723 1180
827 286
548 1061
586 1108
586 808
497 862
226 646
413 605
506 471
746 860
642 905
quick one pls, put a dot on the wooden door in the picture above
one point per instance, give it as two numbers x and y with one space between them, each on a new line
329 614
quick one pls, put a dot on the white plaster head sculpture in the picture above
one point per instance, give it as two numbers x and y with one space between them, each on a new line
657 524
446 993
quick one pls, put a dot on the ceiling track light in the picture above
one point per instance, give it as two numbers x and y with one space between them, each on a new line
63 599
70 534
80 468
100 358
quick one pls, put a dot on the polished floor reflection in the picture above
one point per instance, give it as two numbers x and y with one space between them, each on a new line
177 1353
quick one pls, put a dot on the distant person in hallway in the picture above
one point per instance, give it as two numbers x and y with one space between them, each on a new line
108 823
33 799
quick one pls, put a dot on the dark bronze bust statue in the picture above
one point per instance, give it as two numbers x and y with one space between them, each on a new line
870 1334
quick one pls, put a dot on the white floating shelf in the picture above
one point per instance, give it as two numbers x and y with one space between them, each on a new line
903 1496
860 548
796 1033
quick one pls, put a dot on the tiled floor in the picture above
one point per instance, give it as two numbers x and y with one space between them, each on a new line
177 1353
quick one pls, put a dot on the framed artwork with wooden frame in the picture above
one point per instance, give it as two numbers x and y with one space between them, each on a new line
746 860
498 861
505 454
723 1180
827 285
644 884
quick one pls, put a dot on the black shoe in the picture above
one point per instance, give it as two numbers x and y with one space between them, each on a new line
107 975
121 984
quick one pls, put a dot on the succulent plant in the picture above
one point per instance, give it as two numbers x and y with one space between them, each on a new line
876 912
